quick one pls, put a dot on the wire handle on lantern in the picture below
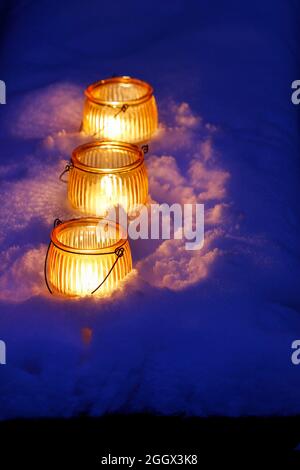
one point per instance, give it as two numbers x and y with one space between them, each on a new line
123 109
68 167
145 148
119 252
55 224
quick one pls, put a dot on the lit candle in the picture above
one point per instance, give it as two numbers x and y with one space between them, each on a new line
81 260
120 108
105 174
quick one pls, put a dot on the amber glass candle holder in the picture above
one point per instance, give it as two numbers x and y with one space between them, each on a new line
104 174
120 108
88 256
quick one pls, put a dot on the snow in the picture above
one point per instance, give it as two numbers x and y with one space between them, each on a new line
195 333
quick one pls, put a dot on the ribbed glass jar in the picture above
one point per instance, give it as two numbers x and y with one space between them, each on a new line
87 256
105 174
120 108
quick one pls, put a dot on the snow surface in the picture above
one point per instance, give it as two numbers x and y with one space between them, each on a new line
194 333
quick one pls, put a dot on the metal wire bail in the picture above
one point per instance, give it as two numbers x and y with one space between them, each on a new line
55 224
119 252
68 167
145 148
123 109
